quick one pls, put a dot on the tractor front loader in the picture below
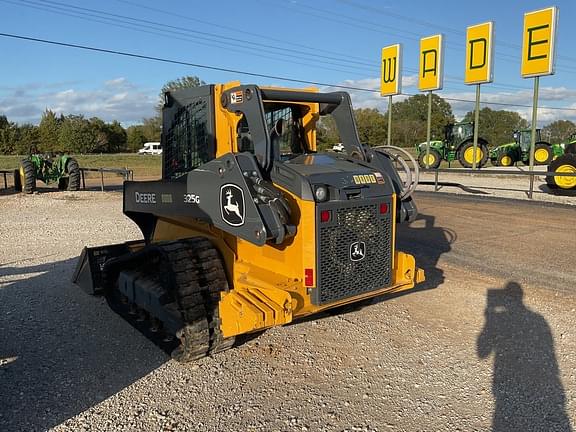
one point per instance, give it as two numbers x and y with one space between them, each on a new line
250 227
63 170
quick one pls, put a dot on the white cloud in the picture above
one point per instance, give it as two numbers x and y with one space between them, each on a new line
115 99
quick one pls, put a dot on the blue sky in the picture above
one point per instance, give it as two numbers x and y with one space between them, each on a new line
329 41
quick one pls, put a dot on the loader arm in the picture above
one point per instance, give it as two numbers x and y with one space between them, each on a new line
228 193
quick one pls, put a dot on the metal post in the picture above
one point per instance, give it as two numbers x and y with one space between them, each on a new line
533 134
6 182
389 120
102 180
436 181
476 122
428 127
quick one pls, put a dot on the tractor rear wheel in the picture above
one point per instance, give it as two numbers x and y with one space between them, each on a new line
563 164
466 154
73 170
27 176
433 159
543 154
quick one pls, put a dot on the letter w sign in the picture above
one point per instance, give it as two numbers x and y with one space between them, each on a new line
391 70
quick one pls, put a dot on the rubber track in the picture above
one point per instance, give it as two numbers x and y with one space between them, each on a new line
199 278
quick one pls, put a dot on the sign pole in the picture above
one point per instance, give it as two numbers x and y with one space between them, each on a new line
533 134
428 128
476 125
389 120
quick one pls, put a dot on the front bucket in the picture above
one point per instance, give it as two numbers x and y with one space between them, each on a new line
88 273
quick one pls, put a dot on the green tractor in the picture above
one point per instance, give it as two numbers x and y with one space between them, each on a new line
63 170
458 144
519 150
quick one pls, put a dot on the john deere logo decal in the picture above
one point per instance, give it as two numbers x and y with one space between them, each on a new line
357 251
232 204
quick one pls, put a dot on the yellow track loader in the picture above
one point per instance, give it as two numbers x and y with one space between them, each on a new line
250 227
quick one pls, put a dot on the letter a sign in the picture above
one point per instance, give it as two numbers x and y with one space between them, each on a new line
538 42
431 68
479 51
390 76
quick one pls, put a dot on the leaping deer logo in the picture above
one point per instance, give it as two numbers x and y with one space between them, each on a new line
357 251
231 207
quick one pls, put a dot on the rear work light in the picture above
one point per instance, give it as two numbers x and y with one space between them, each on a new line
325 216
383 208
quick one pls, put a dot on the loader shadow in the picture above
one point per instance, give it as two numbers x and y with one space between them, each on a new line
61 351
427 242
527 389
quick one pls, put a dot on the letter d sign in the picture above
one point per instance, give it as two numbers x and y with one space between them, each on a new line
478 69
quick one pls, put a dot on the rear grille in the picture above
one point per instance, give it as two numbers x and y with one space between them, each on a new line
339 276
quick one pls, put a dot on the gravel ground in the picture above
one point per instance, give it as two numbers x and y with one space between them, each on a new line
436 359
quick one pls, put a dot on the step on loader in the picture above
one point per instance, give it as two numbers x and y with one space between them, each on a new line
250 227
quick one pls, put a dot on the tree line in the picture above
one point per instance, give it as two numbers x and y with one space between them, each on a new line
409 123
77 134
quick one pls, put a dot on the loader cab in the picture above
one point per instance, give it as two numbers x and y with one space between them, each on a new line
285 127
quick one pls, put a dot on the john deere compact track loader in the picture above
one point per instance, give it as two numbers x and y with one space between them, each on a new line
250 227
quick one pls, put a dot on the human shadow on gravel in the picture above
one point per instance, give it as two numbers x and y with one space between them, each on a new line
61 350
526 384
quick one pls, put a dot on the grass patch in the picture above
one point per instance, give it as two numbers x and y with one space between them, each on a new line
143 166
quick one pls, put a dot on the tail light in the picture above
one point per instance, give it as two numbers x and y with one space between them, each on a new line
309 277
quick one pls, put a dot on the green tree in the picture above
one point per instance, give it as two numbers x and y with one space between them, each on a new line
135 138
79 135
497 126
371 125
559 131
182 82
152 128
410 116
326 133
28 138
49 129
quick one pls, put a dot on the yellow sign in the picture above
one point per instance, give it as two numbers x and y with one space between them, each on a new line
391 70
538 42
479 49
431 68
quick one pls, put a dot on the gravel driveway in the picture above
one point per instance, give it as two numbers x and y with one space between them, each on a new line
472 351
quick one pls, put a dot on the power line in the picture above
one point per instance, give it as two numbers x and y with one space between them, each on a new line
378 29
140 25
237 71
